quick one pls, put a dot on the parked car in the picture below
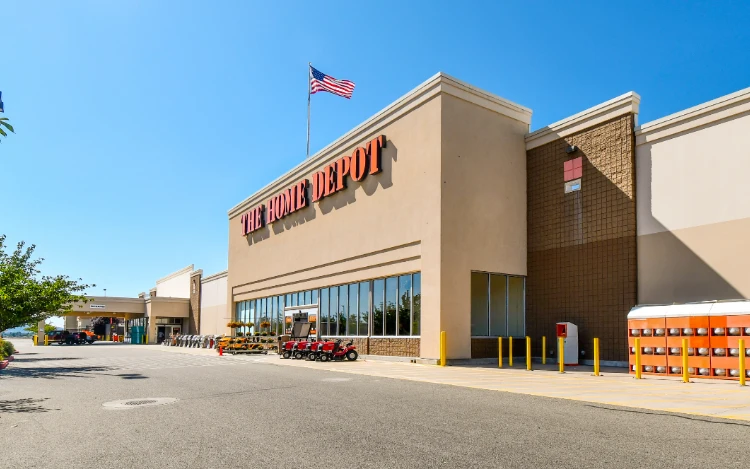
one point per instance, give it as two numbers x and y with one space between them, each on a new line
87 337
57 336
72 338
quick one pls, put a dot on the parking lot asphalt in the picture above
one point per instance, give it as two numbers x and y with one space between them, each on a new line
230 412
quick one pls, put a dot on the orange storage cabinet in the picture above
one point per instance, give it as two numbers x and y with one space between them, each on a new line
712 329
648 324
689 321
730 322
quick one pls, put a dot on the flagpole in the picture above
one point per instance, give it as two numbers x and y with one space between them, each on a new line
309 64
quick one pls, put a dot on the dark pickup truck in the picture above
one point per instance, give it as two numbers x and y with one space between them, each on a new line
72 338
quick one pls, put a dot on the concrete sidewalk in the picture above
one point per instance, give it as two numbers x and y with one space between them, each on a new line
709 398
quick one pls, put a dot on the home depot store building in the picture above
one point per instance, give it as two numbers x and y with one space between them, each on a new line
442 212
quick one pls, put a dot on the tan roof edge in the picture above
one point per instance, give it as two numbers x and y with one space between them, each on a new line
438 83
624 104
113 298
177 273
167 299
215 276
696 116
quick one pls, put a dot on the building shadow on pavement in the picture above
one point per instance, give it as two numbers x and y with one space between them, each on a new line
24 405
55 372
131 376
22 359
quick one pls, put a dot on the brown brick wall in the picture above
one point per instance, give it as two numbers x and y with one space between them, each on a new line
194 319
486 347
392 347
483 347
582 245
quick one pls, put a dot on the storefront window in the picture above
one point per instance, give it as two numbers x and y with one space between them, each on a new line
333 312
498 289
497 305
391 300
416 303
263 312
479 304
256 311
364 307
515 307
274 314
324 311
352 323
404 305
378 306
343 303
392 304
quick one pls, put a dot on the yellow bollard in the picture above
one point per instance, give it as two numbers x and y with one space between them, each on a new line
442 348
146 339
596 356
46 339
510 352
499 352
637 358
561 353
544 350
36 340
528 353
685 374
743 373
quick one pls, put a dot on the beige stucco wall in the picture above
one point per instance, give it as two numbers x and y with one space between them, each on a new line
176 284
166 308
214 311
693 203
380 227
483 206
392 222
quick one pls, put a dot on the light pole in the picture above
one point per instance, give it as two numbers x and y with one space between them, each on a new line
105 292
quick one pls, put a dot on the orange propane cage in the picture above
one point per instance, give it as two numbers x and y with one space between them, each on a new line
712 329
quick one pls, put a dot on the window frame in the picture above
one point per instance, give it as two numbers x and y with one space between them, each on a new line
507 299
292 299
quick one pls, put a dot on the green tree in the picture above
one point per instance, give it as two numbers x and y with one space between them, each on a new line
4 123
48 328
27 298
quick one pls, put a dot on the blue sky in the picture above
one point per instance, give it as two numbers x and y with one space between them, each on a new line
141 122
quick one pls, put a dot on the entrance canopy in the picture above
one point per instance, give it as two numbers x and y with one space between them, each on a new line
132 308
110 307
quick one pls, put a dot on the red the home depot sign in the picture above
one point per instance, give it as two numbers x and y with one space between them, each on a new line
363 161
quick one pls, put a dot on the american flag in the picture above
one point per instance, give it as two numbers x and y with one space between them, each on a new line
319 81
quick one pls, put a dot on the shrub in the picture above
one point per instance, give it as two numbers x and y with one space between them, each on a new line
264 333
256 334
6 348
